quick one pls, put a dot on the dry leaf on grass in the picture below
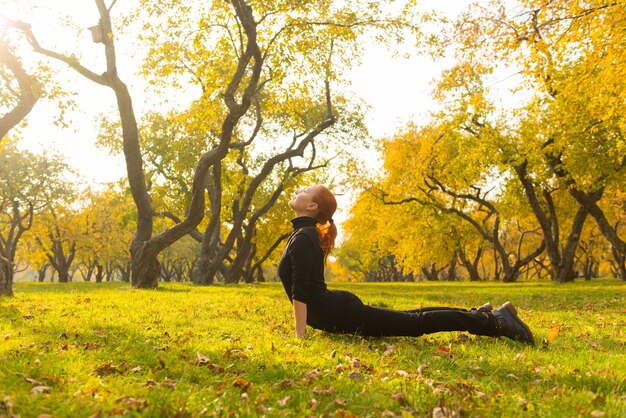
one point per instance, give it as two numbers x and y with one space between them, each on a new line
40 389
284 401
554 332
443 412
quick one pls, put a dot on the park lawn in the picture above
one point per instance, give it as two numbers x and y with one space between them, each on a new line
86 349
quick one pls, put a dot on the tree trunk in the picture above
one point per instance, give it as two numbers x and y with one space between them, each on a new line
620 264
565 269
145 270
6 277
260 278
124 272
41 273
99 273
64 275
562 262
29 90
451 273
471 267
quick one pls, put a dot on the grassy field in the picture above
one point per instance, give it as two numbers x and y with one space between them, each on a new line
85 350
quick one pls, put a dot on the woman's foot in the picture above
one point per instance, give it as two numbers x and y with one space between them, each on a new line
509 325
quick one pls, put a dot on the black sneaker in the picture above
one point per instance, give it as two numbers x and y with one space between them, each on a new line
509 325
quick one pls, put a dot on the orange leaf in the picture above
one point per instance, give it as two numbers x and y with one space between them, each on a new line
554 332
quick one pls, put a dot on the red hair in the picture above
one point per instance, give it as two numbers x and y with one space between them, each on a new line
326 228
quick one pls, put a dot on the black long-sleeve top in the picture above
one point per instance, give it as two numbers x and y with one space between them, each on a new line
301 267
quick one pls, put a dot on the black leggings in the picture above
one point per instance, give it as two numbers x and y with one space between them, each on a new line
343 312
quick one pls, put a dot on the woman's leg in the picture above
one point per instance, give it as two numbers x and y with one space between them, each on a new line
484 308
344 312
374 321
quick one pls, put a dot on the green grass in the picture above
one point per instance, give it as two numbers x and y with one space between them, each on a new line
184 351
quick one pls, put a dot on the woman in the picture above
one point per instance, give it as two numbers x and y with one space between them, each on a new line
301 270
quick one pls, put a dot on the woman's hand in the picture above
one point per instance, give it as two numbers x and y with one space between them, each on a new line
299 314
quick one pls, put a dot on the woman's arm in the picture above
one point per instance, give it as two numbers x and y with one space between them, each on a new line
299 314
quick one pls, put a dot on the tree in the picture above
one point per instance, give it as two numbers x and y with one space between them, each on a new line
27 183
302 45
571 53
58 236
243 83
106 221
448 172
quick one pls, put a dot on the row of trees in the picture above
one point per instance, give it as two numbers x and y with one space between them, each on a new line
526 187
52 227
529 187
261 116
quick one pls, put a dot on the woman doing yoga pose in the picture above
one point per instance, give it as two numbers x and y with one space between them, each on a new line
301 270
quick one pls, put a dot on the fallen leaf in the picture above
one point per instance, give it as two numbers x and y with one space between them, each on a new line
482 396
169 383
107 368
518 356
340 413
313 374
215 368
202 359
6 404
512 376
91 345
262 398
245 397
242 384
389 350
284 401
40 389
402 373
444 351
597 346
355 376
554 332
131 403
44 416
333 353
313 404
443 412
523 403
443 348
136 369
286 383
399 396
323 391
598 414
235 353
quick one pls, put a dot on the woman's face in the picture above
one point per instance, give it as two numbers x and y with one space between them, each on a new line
302 202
